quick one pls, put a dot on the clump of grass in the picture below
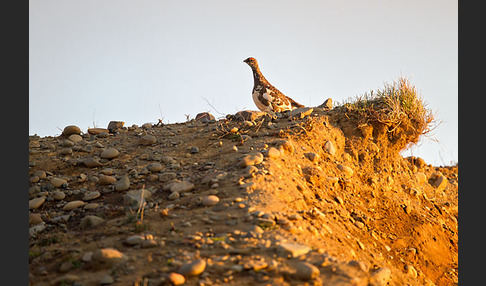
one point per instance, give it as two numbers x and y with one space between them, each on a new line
395 105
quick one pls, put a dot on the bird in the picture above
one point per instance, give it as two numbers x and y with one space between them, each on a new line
266 97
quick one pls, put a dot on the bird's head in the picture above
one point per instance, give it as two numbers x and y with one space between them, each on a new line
251 62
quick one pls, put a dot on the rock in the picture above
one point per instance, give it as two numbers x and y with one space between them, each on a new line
439 181
313 157
71 129
91 196
305 270
194 268
326 105
176 279
154 167
256 265
34 219
380 277
90 221
204 117
147 140
107 279
58 182
106 180
75 138
107 257
147 125
123 184
181 187
134 240
91 206
73 205
41 174
420 177
58 195
37 228
96 131
292 249
114 126
109 153
273 152
174 196
91 162
194 150
251 159
329 148
345 169
134 198
36 203
285 146
210 200
248 115
167 176
300 113
417 161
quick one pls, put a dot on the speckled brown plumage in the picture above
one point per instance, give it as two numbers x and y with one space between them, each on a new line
266 96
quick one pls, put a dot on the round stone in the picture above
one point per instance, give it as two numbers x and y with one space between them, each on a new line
75 138
58 195
109 153
176 278
58 182
123 184
91 196
211 200
154 167
194 268
71 129
37 202
147 140
73 205
106 180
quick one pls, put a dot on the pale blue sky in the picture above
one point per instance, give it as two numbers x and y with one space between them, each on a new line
94 61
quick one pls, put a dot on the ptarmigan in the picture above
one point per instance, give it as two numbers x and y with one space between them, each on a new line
266 96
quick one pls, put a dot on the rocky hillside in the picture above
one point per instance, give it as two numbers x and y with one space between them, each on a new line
311 197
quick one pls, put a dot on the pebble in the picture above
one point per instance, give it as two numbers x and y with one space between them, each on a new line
134 240
165 177
36 203
305 271
204 117
252 159
285 146
91 196
147 125
123 184
313 157
329 147
92 162
174 196
34 219
107 279
91 206
71 129
154 167
273 152
300 113
41 174
194 268
440 181
292 249
75 138
181 187
90 221
133 198
96 131
211 200
106 180
346 169
147 140
73 205
57 182
194 150
107 257
327 104
113 126
109 153
58 195
176 278
380 277
420 177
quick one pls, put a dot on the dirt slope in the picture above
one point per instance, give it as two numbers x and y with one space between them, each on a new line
348 212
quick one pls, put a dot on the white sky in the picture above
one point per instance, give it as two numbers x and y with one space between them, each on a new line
94 61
